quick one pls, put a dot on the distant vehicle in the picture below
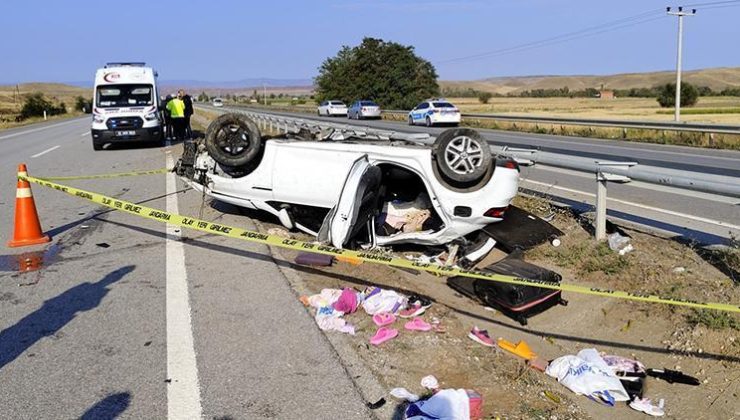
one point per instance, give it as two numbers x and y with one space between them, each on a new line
363 109
218 102
435 111
332 108
125 106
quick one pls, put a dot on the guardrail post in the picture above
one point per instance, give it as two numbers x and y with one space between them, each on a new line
602 177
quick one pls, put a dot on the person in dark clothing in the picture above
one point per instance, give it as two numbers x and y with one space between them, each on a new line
168 130
188 112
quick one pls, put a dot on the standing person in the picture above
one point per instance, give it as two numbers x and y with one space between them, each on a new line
167 117
177 114
188 101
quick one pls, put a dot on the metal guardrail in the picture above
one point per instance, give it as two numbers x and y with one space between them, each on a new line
605 171
645 125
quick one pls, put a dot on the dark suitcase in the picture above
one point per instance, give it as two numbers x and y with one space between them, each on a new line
516 302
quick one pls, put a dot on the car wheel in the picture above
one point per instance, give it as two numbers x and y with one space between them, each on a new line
233 140
462 155
411 120
429 122
97 146
318 113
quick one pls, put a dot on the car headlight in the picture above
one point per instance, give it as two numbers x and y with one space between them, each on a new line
98 119
151 116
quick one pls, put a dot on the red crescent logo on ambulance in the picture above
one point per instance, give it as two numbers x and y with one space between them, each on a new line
111 77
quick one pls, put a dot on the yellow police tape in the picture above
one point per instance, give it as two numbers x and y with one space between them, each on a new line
346 254
101 176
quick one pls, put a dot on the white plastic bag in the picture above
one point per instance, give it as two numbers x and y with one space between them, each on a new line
588 374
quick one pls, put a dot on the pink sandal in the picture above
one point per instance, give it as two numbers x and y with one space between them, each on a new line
382 335
418 324
384 319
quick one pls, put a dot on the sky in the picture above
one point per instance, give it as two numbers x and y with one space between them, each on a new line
227 40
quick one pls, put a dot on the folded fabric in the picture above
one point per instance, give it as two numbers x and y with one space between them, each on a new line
404 394
347 302
381 300
588 374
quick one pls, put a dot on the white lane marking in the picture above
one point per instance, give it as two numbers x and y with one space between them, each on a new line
642 206
86 133
183 390
45 151
38 129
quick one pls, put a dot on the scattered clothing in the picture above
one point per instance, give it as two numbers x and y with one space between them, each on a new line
430 382
647 407
327 297
347 302
404 394
382 335
330 320
406 216
481 336
447 404
379 300
588 374
623 364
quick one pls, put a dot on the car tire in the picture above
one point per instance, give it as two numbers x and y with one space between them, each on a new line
429 122
411 120
318 113
233 140
462 156
97 146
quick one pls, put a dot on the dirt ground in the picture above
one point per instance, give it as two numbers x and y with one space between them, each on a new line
703 344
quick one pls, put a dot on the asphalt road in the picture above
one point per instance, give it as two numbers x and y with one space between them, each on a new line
129 317
706 218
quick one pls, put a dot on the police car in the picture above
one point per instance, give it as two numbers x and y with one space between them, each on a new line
435 111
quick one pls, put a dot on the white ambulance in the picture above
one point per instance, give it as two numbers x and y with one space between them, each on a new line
126 105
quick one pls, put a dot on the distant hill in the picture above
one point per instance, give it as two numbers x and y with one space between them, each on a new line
715 78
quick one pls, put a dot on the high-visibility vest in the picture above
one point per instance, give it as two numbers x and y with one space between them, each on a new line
176 107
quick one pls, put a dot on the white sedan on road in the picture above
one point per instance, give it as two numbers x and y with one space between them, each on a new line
355 192
332 108
435 111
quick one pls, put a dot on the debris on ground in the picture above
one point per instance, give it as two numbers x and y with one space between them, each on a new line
618 243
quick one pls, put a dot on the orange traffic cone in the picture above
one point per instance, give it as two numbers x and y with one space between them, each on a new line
27 226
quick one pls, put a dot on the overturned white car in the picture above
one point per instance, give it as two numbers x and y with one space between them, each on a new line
355 190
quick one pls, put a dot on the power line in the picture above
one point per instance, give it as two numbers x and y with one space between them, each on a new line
711 3
583 33
604 27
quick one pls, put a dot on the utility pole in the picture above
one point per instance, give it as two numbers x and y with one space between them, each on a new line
264 94
680 13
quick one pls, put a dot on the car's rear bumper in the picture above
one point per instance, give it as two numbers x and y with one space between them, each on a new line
370 114
140 135
446 119
337 112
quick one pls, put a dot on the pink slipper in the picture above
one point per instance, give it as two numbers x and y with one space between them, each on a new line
384 319
418 324
382 335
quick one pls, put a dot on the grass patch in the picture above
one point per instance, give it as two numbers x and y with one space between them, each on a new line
702 111
715 320
588 257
